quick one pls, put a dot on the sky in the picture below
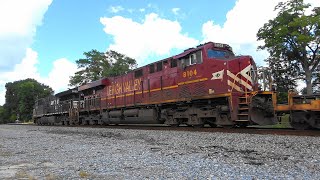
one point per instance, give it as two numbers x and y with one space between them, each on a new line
42 39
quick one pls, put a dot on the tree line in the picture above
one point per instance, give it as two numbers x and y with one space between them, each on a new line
20 98
292 39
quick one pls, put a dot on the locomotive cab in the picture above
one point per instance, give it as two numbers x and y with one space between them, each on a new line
220 75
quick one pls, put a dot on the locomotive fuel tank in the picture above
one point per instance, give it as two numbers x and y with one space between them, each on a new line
131 116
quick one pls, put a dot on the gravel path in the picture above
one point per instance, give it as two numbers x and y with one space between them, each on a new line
43 152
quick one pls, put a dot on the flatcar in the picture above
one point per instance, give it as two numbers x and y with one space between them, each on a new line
303 110
207 84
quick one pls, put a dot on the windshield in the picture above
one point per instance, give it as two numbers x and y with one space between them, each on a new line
219 54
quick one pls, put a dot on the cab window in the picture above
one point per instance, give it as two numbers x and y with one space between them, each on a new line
151 68
138 73
159 66
173 63
199 57
193 58
219 54
186 61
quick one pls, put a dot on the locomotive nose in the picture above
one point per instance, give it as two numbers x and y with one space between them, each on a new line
243 72
249 72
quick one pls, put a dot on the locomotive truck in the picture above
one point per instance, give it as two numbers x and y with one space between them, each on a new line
206 84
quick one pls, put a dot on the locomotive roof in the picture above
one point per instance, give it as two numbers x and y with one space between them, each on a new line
191 50
100 82
67 92
106 81
187 52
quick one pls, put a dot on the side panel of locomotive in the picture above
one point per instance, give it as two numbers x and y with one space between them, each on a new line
201 85
43 109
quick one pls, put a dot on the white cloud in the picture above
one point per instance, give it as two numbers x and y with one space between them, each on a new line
242 25
313 3
18 22
175 10
25 69
116 9
58 78
153 36
2 96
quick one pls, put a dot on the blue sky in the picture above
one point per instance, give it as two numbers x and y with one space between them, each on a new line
71 27
41 39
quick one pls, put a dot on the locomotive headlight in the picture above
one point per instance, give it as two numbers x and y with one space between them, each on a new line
224 46
218 45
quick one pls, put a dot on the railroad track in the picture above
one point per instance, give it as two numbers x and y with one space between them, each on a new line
248 130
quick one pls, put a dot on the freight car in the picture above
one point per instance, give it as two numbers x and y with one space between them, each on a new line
206 84
304 110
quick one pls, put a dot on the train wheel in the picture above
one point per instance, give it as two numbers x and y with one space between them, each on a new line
314 120
198 126
299 125
174 125
227 126
299 120
242 125
212 125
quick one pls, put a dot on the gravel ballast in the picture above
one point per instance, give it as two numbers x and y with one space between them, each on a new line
47 152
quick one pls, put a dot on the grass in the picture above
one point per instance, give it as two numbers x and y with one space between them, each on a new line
29 122
50 177
23 175
83 174
283 124
26 122
5 153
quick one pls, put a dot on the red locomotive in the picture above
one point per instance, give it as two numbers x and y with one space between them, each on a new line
207 84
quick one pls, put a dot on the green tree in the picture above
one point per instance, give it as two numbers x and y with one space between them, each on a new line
293 39
21 96
120 64
91 67
97 65
284 74
2 120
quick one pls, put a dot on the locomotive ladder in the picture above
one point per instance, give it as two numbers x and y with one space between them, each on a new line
243 118
243 110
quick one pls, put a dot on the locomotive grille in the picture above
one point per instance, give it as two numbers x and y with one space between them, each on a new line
168 94
184 92
155 96
199 89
